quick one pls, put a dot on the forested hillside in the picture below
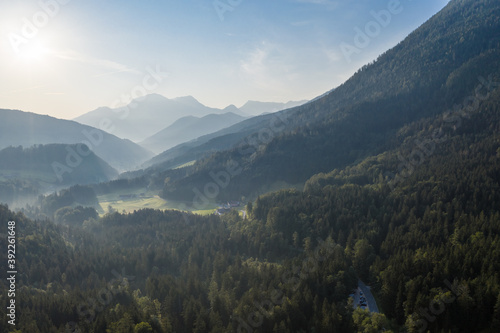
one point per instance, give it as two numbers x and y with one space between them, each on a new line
434 68
51 163
28 172
189 128
27 129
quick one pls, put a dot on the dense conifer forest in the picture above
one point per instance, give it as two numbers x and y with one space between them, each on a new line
428 242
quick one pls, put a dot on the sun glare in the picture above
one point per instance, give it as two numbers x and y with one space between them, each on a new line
32 52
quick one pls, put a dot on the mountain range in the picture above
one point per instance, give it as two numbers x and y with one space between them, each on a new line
146 116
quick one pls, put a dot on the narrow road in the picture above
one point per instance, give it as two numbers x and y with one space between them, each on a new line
370 300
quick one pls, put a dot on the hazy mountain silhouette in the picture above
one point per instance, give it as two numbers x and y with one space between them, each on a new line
189 128
205 145
46 163
146 116
256 108
18 128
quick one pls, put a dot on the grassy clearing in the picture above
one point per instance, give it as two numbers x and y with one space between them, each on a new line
135 204
134 199
204 212
185 165
143 199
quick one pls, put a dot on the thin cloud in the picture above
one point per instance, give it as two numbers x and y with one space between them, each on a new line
103 63
268 67
255 63
255 68
22 90
332 55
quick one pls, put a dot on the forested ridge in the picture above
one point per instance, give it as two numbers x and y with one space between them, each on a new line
429 72
26 173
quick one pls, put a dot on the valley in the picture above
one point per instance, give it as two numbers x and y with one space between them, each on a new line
371 206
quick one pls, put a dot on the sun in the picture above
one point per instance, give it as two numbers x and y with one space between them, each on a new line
33 51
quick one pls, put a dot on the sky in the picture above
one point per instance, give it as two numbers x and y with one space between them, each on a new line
67 57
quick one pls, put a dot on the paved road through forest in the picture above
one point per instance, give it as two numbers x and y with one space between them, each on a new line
370 300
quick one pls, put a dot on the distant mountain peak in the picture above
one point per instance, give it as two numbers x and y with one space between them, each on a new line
231 108
187 100
143 117
155 95
151 98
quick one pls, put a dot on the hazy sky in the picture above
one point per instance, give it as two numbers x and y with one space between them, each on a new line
68 57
